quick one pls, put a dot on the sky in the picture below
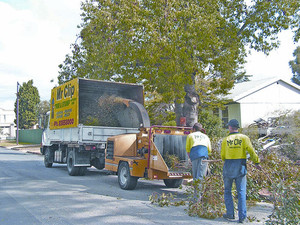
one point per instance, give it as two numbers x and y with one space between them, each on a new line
35 36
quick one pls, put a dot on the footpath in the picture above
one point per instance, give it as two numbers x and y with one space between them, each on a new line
32 149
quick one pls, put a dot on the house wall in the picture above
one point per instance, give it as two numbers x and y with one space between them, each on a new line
263 103
7 126
234 112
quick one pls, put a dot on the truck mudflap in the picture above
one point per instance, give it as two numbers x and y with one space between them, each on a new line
82 158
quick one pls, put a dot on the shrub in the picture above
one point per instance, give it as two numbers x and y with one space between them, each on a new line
211 123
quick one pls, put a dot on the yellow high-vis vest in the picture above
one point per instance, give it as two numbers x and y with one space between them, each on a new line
236 146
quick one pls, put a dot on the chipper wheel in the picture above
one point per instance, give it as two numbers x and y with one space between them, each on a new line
126 181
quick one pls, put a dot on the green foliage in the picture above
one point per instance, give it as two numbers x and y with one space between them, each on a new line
175 164
210 203
253 134
42 108
292 148
279 181
166 45
286 204
170 123
92 121
295 66
103 112
211 123
279 178
29 99
171 160
165 200
160 113
289 133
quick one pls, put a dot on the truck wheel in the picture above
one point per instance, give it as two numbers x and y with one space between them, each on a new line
173 183
47 158
126 181
72 170
82 170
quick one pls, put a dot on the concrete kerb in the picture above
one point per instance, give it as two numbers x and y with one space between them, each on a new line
32 149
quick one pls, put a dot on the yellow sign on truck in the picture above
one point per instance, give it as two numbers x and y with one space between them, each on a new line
64 105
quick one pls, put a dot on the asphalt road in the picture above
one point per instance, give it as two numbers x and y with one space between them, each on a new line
32 194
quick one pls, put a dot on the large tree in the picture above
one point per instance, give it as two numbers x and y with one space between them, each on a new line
186 51
29 99
295 66
42 108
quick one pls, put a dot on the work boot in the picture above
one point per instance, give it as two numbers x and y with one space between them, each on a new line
243 220
227 217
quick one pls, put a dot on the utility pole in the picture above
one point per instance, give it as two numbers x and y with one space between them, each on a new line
17 136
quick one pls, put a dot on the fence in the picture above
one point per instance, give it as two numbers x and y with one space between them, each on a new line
31 136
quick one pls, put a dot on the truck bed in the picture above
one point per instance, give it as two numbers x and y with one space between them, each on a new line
86 134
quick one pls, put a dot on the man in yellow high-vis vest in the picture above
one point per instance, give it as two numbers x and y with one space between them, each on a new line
233 152
198 148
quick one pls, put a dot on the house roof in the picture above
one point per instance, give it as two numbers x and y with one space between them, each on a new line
241 90
6 110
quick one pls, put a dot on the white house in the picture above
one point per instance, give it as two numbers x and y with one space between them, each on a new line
7 126
261 99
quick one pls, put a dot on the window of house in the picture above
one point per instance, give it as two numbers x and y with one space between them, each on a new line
225 116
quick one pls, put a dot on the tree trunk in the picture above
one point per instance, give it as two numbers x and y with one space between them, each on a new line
189 109
178 112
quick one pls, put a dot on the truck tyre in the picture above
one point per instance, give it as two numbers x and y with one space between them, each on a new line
126 181
72 170
173 183
47 158
82 170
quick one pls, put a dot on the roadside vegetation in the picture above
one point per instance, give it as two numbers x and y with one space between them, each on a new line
9 143
6 143
276 183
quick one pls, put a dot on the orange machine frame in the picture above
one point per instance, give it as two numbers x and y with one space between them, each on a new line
146 165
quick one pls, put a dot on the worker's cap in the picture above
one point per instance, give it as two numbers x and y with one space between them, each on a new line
233 123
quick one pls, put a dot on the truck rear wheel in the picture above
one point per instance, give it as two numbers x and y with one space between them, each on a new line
82 170
47 158
126 181
173 183
72 170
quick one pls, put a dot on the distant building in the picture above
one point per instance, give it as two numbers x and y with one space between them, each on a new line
7 126
260 99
